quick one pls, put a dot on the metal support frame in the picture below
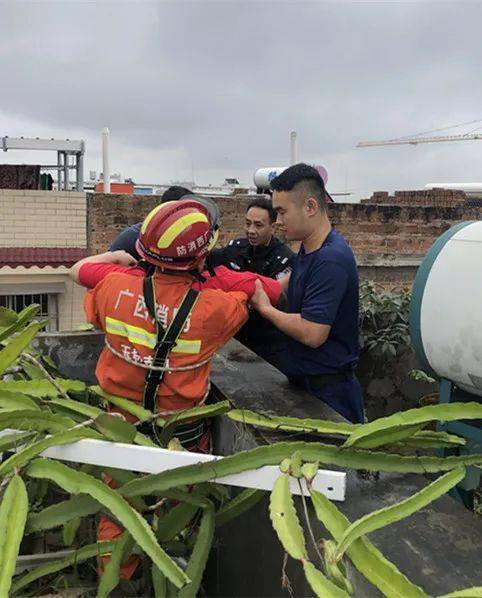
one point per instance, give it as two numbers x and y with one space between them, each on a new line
144 459
64 149
449 393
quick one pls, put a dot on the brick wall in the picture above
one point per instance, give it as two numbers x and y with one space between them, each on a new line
389 241
42 219
109 214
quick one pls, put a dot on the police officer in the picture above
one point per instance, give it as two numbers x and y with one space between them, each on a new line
260 251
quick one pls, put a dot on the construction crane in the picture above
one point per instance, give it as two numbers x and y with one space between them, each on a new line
416 139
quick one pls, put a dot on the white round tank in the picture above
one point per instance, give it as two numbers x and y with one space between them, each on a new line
446 308
263 176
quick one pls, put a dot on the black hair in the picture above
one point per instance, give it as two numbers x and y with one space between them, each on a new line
301 177
175 193
264 204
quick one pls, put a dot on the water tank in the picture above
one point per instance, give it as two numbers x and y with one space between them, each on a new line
263 176
446 308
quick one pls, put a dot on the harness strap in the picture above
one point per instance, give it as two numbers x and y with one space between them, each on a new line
166 339
163 368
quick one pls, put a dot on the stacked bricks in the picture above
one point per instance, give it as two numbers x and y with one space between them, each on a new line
396 230
42 218
427 197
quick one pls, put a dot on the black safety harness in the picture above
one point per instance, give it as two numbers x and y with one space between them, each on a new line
166 339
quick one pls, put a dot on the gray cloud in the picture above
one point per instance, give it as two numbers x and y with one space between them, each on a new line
219 85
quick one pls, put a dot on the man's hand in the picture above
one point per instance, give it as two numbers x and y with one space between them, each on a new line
260 300
120 257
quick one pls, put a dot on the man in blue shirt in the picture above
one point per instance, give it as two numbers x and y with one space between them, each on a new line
322 318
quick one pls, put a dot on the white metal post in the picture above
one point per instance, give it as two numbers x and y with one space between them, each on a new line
105 159
293 156
145 459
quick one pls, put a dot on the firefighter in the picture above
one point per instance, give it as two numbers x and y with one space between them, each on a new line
161 331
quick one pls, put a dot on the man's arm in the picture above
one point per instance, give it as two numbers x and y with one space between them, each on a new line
229 280
309 333
121 258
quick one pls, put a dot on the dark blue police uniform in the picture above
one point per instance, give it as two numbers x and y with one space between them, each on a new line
324 289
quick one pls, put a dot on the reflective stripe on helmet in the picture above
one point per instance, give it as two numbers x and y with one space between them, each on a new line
147 339
152 213
178 227
214 240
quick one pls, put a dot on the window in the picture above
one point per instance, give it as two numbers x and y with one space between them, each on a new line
48 306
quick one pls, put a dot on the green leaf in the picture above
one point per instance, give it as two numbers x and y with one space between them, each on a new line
239 505
292 424
7 317
32 371
121 477
14 440
335 569
77 407
111 576
86 326
429 439
15 401
42 388
393 436
62 512
76 482
188 415
13 514
115 428
400 510
70 530
310 451
468 593
195 413
77 556
175 520
200 554
376 433
369 561
15 347
125 404
159 583
24 317
285 521
26 454
29 419
320 584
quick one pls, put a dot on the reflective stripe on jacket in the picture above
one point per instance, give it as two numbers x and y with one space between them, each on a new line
116 306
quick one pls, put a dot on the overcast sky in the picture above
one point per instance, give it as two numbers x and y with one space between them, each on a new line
214 88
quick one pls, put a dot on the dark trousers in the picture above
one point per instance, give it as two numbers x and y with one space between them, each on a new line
345 397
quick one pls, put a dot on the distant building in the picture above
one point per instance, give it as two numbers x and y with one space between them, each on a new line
42 233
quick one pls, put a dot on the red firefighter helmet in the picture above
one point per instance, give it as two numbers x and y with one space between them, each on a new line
176 235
